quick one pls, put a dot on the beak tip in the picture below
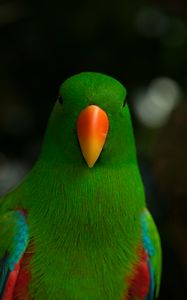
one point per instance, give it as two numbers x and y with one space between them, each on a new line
90 164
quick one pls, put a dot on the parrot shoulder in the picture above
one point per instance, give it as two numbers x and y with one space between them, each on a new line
152 245
144 282
14 238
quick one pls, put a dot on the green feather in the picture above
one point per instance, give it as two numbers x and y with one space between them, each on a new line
85 223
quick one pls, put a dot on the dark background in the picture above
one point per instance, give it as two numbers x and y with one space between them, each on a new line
141 43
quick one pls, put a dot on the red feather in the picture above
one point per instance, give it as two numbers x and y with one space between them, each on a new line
21 290
140 281
11 282
19 278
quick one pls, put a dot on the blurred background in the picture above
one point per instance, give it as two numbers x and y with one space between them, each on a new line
141 43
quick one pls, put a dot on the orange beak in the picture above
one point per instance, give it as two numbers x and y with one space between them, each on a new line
92 129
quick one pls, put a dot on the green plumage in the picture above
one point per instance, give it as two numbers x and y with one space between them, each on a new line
85 223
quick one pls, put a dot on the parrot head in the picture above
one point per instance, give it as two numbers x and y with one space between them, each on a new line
90 124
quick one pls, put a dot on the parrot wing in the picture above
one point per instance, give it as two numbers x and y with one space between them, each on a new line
14 240
144 282
151 243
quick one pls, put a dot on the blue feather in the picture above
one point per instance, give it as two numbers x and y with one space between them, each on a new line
20 243
152 282
149 247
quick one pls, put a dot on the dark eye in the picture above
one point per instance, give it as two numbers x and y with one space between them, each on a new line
124 103
60 100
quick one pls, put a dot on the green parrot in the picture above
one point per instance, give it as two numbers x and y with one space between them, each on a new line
77 227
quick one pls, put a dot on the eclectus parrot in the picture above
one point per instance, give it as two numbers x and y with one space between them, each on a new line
77 227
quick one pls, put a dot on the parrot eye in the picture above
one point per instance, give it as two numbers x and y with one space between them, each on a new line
124 103
60 100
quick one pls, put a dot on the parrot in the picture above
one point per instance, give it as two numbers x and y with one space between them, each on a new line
77 226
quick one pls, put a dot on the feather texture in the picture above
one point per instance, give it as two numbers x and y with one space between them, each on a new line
151 242
11 262
144 279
